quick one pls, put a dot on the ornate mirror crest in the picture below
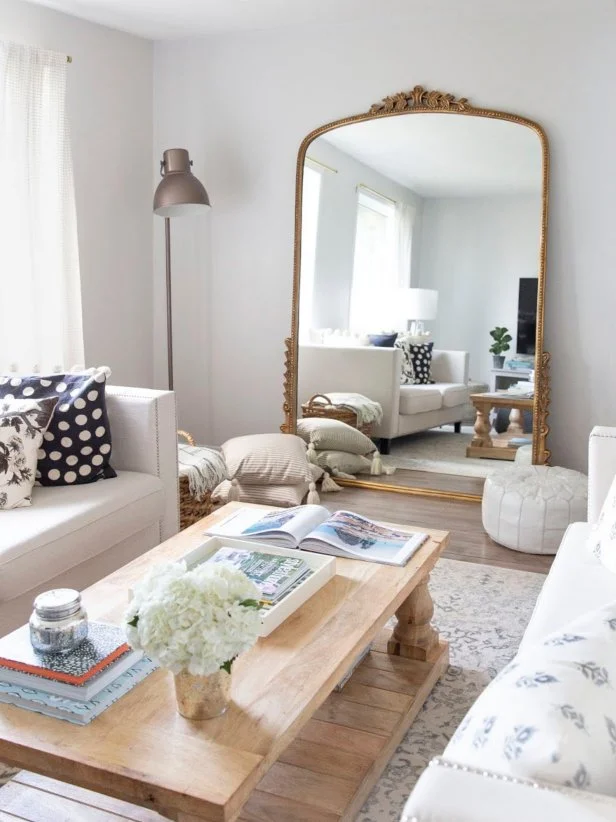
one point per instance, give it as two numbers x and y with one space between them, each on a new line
420 100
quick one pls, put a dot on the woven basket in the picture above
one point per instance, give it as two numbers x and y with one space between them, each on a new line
192 510
333 412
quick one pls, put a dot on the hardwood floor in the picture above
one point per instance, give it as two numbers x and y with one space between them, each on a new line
469 542
33 798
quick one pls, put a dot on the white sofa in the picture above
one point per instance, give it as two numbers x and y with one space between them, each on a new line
577 583
375 373
72 536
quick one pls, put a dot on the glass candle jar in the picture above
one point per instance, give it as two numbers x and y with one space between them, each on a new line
59 622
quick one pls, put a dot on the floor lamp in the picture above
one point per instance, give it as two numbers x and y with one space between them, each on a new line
178 193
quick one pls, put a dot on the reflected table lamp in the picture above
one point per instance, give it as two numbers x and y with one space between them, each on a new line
179 193
420 304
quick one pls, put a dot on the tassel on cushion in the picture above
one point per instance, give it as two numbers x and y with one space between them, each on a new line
377 464
312 454
313 498
328 485
341 474
234 492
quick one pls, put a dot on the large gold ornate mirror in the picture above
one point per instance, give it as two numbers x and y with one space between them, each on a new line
418 294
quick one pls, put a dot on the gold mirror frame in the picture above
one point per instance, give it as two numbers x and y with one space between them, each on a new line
416 101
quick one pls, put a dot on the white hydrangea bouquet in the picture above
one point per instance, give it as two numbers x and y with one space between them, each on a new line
195 622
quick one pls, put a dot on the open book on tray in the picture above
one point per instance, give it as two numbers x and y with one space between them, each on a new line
313 528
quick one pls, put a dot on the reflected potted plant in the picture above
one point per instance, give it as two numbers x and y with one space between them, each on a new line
195 622
502 338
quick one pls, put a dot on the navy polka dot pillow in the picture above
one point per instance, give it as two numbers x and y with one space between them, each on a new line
76 447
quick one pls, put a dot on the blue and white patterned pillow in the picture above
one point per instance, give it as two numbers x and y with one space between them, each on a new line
602 539
551 713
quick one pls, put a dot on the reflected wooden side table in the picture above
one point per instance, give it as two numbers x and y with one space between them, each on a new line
482 444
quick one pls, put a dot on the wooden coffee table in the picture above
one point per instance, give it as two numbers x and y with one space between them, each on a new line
288 748
482 444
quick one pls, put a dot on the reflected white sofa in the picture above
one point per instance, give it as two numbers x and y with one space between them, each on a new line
375 373
577 583
74 535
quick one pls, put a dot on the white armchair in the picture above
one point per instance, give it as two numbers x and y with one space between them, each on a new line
72 536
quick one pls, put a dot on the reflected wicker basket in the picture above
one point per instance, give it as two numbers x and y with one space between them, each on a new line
191 509
326 410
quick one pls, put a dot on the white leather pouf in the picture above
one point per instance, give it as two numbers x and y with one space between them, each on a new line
524 455
528 508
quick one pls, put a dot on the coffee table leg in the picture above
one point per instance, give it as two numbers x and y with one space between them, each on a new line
413 636
482 438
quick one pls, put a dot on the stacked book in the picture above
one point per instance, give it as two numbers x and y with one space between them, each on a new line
274 575
77 686
519 362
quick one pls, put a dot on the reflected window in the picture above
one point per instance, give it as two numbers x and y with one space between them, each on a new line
382 261
311 196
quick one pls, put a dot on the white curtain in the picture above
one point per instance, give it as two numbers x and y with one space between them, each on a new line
405 218
40 292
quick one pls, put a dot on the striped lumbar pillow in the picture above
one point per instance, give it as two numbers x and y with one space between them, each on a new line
334 435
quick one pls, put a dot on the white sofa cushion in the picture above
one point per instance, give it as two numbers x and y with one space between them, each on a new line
453 393
68 525
551 713
577 583
415 399
602 538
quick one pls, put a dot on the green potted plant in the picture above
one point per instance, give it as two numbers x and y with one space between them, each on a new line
502 338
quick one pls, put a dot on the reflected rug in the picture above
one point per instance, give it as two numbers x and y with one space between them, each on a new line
482 612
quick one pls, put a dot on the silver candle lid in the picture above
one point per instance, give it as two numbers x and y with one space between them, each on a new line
57 604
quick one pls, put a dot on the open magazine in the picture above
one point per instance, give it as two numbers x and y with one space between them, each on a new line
313 528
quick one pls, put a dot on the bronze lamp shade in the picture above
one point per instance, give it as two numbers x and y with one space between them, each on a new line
179 193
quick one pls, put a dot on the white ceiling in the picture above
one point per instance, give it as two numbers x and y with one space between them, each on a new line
165 19
440 155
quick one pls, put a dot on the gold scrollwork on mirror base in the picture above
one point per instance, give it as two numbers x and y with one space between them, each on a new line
415 101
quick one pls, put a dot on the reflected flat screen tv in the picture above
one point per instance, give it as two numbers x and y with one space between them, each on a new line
527 315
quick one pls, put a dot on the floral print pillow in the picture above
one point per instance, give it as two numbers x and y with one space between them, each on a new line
602 538
22 426
551 713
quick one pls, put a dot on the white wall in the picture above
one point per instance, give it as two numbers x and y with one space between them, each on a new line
243 103
337 226
109 100
473 251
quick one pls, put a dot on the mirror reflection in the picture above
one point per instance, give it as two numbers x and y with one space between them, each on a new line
420 250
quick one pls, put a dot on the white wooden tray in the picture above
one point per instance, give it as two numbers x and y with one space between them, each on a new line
323 569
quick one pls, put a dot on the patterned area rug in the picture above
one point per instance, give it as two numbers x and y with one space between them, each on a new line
441 452
482 611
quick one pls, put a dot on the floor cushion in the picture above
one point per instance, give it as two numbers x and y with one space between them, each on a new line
286 496
528 508
258 459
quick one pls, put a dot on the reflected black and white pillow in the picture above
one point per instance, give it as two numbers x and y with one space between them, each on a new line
416 362
76 447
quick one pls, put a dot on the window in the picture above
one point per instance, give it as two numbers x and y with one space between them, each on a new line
382 261
39 267
311 195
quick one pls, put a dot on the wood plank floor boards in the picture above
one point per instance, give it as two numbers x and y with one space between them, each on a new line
382 682
468 540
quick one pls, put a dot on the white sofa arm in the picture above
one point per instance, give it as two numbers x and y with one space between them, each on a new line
144 438
447 793
368 370
601 467
450 366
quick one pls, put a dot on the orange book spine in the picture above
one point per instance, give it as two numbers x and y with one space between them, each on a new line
58 676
